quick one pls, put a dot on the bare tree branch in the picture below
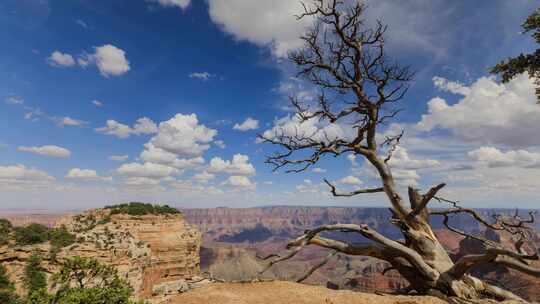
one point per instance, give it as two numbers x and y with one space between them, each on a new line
352 193
316 266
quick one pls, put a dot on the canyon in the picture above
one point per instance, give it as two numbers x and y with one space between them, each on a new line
159 255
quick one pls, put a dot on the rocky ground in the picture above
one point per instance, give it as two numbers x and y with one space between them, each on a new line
280 292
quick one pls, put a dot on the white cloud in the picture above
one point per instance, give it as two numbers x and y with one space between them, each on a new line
312 129
200 75
141 182
352 159
351 180
143 125
248 124
160 156
147 169
204 177
183 4
86 174
47 150
265 23
68 121
119 158
109 59
318 170
444 84
309 187
238 166
97 103
116 129
220 144
490 113
59 59
239 182
15 100
183 136
493 157
402 160
21 172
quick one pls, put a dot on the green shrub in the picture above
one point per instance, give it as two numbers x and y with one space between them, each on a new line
34 276
137 209
87 281
31 234
60 237
7 289
5 231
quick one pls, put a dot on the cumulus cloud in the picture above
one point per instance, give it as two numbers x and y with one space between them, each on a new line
143 125
183 136
318 170
21 172
160 156
183 4
490 113
248 124
220 144
493 157
238 166
313 129
351 180
239 182
149 170
119 158
446 85
200 75
308 187
47 150
97 103
109 59
402 160
141 182
86 174
59 59
264 23
204 177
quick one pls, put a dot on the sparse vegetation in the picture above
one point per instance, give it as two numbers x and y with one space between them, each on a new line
37 233
138 209
60 237
87 281
5 231
7 289
31 234
35 280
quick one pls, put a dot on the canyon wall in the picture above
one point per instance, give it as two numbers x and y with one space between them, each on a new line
149 251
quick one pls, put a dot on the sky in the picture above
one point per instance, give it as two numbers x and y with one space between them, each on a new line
161 101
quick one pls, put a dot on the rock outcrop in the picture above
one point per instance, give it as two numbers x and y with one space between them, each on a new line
149 251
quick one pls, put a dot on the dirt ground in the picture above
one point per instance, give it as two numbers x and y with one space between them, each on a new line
288 293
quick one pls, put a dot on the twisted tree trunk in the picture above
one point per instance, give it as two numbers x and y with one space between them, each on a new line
358 83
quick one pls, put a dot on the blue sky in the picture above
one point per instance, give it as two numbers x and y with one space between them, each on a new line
110 101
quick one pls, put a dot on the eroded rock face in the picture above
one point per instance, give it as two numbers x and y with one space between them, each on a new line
148 250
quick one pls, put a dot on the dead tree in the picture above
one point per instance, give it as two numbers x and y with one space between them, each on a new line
359 88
